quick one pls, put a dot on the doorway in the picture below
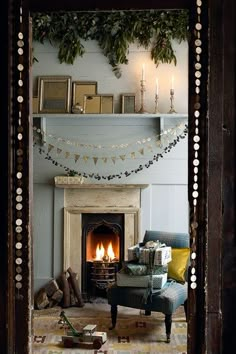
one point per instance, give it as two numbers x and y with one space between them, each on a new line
24 256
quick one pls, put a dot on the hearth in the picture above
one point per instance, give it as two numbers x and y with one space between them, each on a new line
102 251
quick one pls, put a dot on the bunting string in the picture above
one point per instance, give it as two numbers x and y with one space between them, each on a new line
145 140
120 156
119 175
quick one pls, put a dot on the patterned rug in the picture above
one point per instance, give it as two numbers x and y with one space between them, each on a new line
134 333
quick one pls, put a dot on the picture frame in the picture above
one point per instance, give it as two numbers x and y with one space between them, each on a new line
128 103
54 94
107 103
92 104
103 103
82 88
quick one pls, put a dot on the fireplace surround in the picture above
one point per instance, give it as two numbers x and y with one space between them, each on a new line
80 200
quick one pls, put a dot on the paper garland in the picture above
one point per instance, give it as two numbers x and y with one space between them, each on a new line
144 140
114 158
119 175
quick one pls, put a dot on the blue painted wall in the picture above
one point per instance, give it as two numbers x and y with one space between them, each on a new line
165 204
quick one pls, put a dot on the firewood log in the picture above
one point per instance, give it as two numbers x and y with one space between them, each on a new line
66 290
41 299
75 285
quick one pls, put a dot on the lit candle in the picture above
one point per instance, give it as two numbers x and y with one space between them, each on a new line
143 72
172 83
157 86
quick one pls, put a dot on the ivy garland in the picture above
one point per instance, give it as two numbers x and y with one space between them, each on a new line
114 31
98 177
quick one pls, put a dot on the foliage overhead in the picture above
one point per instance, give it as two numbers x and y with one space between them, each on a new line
114 31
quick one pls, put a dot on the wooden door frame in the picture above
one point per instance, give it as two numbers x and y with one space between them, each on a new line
205 323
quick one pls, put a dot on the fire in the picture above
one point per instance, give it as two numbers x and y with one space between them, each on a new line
110 252
101 254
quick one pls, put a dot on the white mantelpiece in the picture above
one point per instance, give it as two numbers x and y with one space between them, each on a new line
100 199
77 182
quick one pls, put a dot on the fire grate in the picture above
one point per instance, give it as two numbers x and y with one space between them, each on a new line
103 274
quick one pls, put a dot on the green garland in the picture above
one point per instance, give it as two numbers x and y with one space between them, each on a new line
114 31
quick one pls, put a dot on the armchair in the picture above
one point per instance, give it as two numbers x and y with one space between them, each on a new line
167 300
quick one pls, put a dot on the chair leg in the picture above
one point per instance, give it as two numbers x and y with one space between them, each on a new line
168 323
113 316
148 313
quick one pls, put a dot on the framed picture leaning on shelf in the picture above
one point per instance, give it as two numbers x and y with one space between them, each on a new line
80 89
54 94
128 103
107 103
92 104
103 103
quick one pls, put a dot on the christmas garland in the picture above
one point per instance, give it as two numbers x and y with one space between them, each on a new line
97 176
114 31
40 135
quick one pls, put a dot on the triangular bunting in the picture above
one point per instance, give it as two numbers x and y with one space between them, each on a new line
132 154
104 159
122 157
50 147
59 151
67 154
141 151
95 160
85 158
113 159
76 157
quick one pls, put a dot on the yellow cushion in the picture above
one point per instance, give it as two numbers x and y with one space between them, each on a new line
177 267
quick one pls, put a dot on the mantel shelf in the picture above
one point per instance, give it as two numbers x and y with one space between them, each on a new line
74 182
112 116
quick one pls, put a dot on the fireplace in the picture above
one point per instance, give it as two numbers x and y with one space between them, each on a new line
102 251
109 209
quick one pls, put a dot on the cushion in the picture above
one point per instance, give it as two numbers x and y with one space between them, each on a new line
165 300
177 267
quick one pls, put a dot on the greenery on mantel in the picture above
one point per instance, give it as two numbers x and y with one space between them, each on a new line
114 31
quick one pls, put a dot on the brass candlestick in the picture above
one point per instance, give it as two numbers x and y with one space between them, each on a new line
142 90
172 110
156 103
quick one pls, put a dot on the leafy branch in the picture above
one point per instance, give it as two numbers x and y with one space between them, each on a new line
114 31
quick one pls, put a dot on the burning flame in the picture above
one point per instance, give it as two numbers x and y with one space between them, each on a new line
110 252
100 252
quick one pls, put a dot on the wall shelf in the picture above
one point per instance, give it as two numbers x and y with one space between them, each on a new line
160 121
112 116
